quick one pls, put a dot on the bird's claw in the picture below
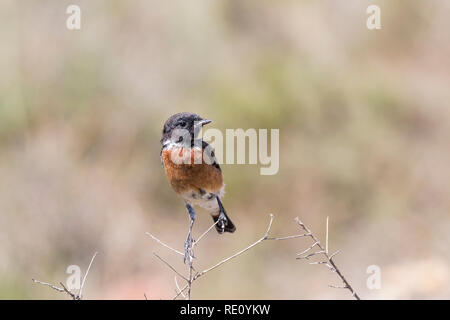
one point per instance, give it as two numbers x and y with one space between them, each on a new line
188 253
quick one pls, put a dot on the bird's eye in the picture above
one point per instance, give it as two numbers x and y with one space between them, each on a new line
183 123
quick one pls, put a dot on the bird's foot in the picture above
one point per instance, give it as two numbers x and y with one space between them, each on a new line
188 248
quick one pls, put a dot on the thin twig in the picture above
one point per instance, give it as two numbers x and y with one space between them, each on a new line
193 275
289 237
331 257
49 285
330 262
178 288
163 244
80 294
308 249
74 296
337 287
237 253
185 291
172 268
180 293
204 233
310 255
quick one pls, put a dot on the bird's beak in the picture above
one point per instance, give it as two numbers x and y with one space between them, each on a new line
204 122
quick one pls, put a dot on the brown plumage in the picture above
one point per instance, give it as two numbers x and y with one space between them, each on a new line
186 177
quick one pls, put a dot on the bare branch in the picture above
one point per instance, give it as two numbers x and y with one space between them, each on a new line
180 292
310 255
331 257
204 233
308 249
324 251
74 296
178 288
80 294
163 244
172 268
48 285
289 237
237 253
337 287
193 275
319 262
185 291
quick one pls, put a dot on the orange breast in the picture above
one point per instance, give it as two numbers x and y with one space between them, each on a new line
191 176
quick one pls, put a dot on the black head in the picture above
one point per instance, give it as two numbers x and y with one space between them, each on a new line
180 124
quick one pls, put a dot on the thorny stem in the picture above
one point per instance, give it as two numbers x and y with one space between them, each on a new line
185 291
74 296
330 263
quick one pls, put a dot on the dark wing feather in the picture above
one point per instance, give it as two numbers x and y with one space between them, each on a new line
210 154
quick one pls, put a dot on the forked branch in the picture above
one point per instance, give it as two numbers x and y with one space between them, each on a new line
193 274
323 251
306 254
74 295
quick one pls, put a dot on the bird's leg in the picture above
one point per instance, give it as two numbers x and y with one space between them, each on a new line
188 245
222 220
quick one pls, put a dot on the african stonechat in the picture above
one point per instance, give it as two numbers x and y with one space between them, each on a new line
192 170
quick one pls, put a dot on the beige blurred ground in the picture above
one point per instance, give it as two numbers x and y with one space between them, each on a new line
364 121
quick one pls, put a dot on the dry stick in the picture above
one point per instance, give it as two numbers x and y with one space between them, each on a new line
80 294
265 237
330 263
178 288
192 277
166 263
48 285
64 289
181 292
204 233
163 244
74 296
191 257
289 237
172 268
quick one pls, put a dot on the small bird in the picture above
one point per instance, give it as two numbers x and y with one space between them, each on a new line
192 169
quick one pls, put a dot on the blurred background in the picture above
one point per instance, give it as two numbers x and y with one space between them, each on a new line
364 121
